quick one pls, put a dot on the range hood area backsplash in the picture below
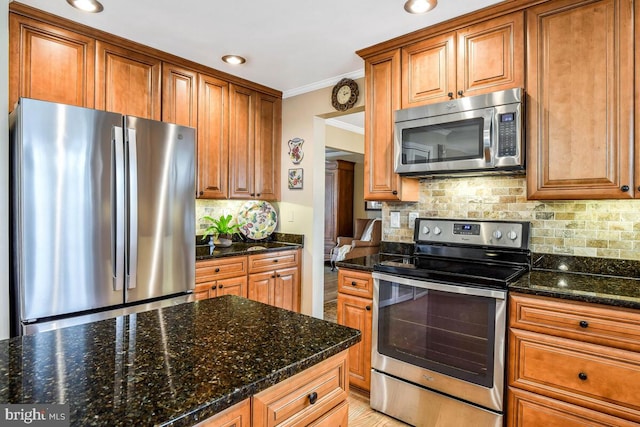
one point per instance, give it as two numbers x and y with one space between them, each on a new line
591 228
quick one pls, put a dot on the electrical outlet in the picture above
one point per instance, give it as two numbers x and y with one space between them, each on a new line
412 219
395 219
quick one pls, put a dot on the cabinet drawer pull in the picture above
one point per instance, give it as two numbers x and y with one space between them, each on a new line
313 397
220 286
582 376
217 270
450 95
213 288
273 276
353 283
275 260
368 308
584 324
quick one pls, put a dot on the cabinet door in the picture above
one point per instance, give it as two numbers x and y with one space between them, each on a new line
213 138
232 286
267 146
205 290
261 287
580 103
49 63
491 55
241 142
286 289
179 95
382 98
429 71
127 82
355 312
239 415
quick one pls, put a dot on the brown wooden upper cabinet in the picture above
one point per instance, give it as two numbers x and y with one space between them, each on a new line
49 63
382 98
127 82
477 59
179 95
254 144
580 100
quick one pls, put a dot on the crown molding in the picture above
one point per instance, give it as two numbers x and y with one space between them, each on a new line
323 83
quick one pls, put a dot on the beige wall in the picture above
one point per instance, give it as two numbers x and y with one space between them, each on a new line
4 170
303 116
595 228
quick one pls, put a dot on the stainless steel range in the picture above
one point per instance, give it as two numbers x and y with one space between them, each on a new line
439 323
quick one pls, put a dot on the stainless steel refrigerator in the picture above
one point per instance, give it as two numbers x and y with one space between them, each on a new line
102 214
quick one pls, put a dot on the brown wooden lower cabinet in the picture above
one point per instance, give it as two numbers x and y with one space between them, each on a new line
224 276
315 397
355 302
566 368
274 278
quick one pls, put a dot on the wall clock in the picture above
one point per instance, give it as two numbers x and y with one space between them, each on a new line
344 95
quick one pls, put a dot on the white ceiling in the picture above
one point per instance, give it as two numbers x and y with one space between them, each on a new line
291 45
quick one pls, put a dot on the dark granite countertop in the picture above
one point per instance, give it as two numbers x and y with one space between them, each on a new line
587 279
204 252
173 366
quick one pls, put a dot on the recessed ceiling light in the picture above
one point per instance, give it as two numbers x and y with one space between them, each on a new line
234 59
92 6
419 6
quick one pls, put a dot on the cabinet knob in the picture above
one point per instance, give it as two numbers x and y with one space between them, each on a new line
460 93
201 192
313 397
394 192
584 324
368 308
625 188
220 286
252 194
258 195
273 276
353 283
450 95
217 270
213 288
275 260
582 376
278 275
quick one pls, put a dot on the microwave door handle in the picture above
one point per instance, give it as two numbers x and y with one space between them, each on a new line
486 134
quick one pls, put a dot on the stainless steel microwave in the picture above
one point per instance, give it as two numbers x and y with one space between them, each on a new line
470 136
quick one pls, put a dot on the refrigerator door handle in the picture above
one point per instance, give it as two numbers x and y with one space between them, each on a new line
118 226
132 267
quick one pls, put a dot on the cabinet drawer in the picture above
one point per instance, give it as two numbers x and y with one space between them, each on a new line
600 378
207 271
337 417
356 283
272 261
529 409
289 402
593 323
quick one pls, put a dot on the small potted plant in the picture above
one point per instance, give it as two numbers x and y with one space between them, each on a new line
221 229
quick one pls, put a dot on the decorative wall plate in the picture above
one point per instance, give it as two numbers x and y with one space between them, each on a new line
257 219
295 150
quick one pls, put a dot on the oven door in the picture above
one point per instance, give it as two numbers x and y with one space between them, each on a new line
444 337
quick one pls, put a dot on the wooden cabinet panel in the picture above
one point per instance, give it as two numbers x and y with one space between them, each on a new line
429 71
49 63
491 55
358 283
232 286
382 99
275 279
260 287
179 95
286 289
580 81
213 138
593 376
596 324
529 409
356 313
239 415
290 403
241 142
268 135
273 260
127 82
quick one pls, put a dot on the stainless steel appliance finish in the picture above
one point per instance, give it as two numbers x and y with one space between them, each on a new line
439 322
467 136
102 211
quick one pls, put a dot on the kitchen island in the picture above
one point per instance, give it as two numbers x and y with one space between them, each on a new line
171 366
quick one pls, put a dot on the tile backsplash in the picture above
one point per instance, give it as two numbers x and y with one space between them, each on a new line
593 228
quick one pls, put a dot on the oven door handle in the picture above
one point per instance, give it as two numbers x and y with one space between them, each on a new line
498 294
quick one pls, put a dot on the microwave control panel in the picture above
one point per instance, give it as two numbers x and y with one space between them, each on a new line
507 134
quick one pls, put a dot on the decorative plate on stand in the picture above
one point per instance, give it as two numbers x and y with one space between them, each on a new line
257 219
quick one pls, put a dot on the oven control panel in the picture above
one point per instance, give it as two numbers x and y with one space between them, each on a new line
505 234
